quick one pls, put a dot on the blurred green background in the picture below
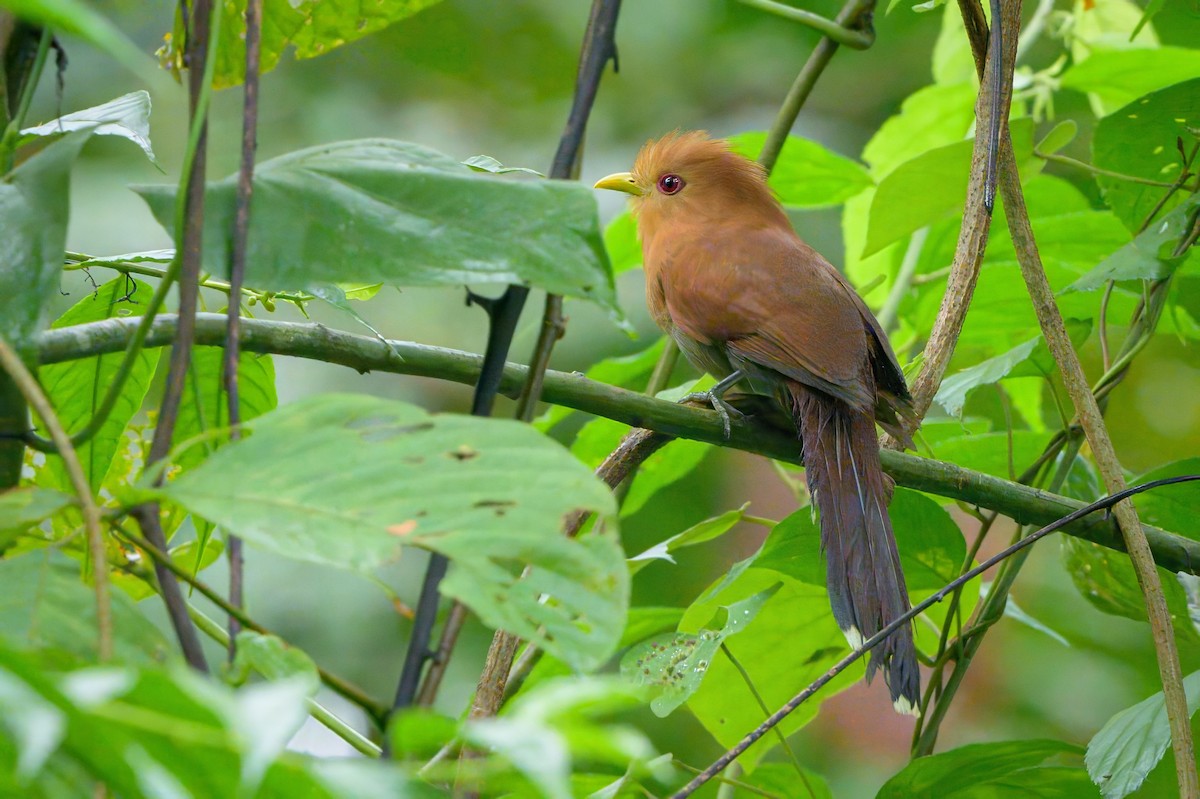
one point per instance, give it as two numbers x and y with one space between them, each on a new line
475 76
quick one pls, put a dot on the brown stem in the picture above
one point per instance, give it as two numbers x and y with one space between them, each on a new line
976 224
237 272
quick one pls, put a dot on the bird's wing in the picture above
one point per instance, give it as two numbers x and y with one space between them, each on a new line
775 304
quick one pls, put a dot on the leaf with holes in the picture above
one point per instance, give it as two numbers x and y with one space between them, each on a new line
351 480
1139 139
673 665
383 211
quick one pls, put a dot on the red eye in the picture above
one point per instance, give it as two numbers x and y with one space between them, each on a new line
670 184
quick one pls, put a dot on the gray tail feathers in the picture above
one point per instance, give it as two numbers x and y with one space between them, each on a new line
866 584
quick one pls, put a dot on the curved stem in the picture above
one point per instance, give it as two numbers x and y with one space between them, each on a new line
854 37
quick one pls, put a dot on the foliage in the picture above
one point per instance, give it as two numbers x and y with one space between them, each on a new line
710 623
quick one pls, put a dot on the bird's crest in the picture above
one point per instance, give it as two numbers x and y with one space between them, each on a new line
696 157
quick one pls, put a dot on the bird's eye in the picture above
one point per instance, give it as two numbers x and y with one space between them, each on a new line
670 184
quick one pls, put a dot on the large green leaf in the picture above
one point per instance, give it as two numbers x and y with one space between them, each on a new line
978 770
1132 742
806 174
127 117
382 211
1151 255
782 780
33 231
621 243
931 187
313 29
673 665
792 641
47 609
1029 359
76 388
350 480
930 117
1140 140
205 405
1120 76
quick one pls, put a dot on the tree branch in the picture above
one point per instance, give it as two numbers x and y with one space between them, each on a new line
364 354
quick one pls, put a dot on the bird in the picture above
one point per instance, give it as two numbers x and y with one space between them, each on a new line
749 302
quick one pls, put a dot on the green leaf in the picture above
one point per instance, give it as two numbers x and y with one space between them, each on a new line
806 174
80 19
1172 507
349 480
1150 255
205 405
1107 581
76 388
313 29
485 163
381 211
706 530
989 452
952 59
674 665
1139 140
48 610
929 188
781 780
1059 137
33 227
793 640
1118 76
668 465
22 508
1030 359
931 117
128 117
621 243
271 657
968 770
1132 742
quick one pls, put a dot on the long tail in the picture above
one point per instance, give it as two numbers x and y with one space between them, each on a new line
866 584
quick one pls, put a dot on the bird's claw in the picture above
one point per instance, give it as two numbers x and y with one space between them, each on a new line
723 408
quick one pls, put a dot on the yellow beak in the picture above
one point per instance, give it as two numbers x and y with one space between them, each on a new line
621 181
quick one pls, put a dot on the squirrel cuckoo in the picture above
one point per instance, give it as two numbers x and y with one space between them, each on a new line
750 303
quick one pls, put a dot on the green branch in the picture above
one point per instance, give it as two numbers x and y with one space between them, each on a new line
365 354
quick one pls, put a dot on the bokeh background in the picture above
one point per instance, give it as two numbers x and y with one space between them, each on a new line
478 76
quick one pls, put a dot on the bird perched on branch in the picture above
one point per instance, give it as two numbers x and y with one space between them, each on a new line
750 303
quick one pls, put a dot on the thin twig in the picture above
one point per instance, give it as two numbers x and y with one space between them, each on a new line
12 364
598 49
237 272
849 35
795 702
202 46
973 235
1092 421
365 354
1066 160
1090 418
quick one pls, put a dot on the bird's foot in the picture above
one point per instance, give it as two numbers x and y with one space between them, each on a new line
723 408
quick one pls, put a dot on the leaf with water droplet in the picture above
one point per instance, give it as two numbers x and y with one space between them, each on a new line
673 664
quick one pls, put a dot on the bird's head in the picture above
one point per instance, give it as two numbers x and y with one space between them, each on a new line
690 177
